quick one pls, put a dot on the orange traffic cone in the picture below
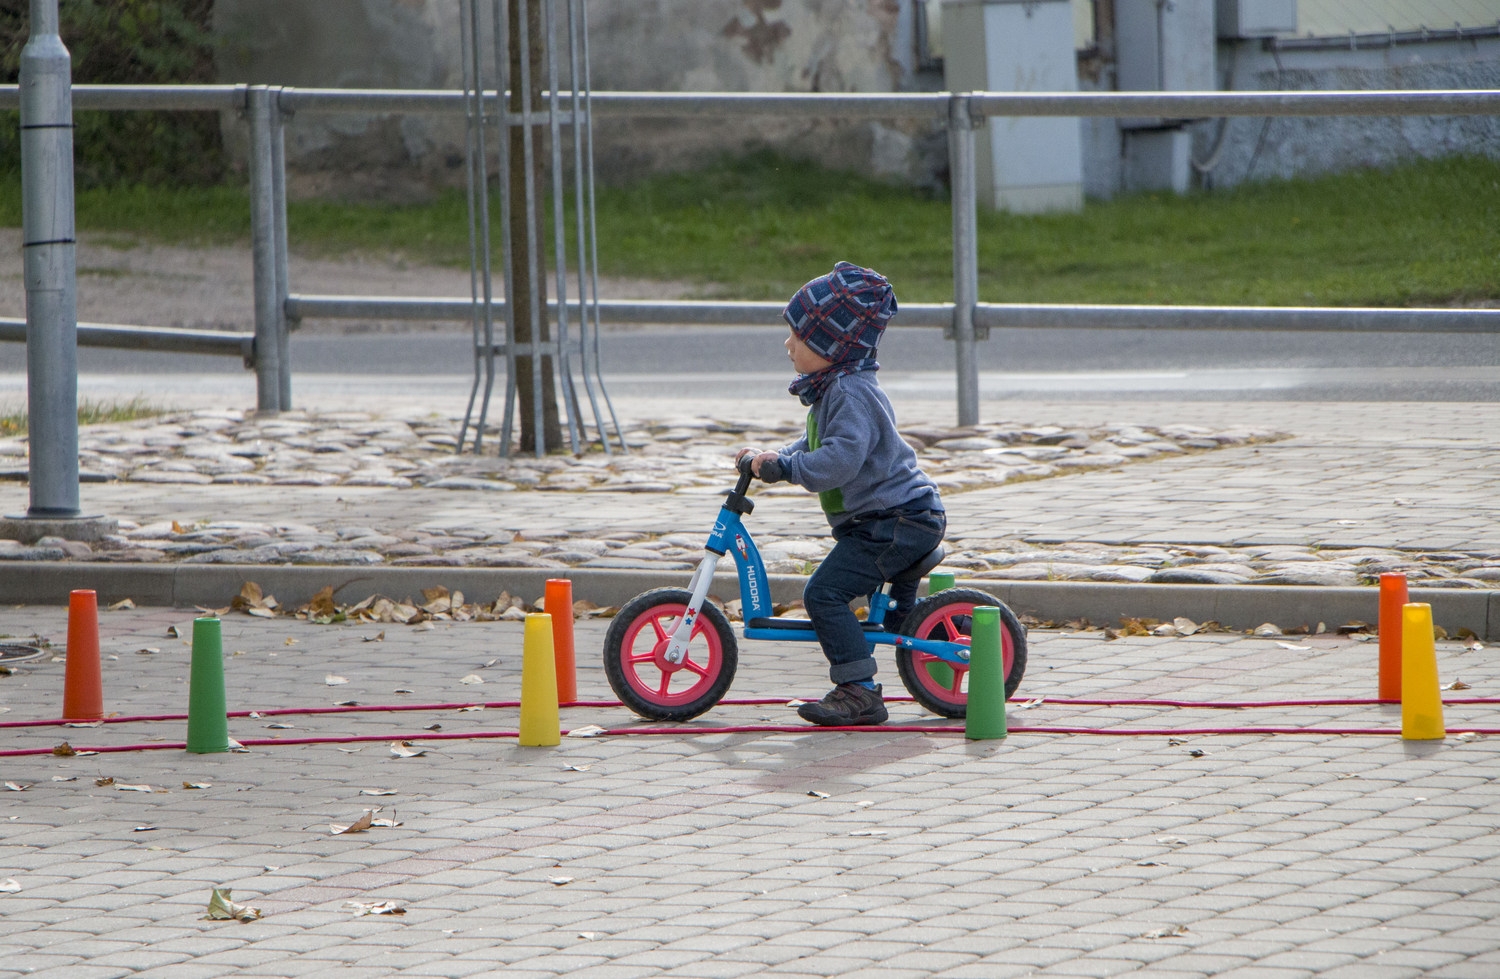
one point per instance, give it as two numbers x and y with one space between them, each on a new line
559 604
1392 598
83 688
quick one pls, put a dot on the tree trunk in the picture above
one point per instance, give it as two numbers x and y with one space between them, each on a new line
530 294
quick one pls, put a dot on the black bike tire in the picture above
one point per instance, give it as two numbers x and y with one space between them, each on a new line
907 665
615 665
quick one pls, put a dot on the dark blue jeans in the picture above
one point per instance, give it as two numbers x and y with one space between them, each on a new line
870 548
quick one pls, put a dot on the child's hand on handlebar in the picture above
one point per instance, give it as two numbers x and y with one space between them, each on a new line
756 460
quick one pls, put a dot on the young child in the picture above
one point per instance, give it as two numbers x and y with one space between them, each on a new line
885 512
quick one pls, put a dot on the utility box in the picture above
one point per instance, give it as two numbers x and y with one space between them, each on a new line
1025 164
1165 46
1256 18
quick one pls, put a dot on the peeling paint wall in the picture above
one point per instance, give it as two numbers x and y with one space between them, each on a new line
635 45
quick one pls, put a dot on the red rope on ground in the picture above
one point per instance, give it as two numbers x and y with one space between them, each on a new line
748 729
748 702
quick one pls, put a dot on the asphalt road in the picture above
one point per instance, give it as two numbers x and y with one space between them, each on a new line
1057 364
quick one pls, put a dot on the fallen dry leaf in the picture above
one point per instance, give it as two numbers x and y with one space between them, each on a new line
576 768
221 908
120 787
17 786
586 731
121 605
64 750
376 907
1168 931
377 791
472 678
104 780
10 885
333 680
869 832
1294 646
405 749
1456 685
816 794
559 881
358 826
197 785
1185 626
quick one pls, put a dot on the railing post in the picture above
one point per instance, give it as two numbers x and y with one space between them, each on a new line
965 255
277 120
268 336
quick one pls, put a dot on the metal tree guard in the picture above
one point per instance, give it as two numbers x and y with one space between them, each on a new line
481 107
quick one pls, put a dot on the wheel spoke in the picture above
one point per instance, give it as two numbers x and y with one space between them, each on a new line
645 657
688 664
666 683
656 624
958 679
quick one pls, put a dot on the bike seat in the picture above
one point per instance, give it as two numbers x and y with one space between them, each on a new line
916 571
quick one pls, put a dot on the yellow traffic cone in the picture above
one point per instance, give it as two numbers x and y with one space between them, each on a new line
539 721
1421 703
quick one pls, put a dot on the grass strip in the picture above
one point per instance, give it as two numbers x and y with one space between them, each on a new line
757 227
13 421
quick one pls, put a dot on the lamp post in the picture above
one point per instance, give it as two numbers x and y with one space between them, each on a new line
48 248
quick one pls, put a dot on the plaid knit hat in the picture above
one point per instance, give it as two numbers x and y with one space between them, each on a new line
841 315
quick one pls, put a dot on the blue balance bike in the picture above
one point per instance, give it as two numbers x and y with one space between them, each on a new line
670 655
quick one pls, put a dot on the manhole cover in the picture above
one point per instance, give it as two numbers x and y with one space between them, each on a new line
14 652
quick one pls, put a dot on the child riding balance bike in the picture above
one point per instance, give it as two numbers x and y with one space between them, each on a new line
670 654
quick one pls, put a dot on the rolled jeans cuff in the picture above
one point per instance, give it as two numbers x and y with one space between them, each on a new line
860 669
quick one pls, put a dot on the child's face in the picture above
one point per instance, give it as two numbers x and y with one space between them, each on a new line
804 359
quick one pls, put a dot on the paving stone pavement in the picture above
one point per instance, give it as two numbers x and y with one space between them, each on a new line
703 854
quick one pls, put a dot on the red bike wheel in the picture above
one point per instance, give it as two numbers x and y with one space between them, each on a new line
943 687
641 676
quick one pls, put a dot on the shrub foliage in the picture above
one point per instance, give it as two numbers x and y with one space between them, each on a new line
126 42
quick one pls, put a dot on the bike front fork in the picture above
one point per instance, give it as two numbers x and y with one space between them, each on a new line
703 577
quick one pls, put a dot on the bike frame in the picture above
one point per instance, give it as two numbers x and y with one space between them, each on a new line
731 536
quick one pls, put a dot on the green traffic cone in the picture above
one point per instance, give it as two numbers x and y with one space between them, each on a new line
985 718
208 720
939 581
937 669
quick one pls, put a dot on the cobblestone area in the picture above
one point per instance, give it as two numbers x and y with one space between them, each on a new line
690 457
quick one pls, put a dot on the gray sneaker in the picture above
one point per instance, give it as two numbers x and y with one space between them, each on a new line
846 705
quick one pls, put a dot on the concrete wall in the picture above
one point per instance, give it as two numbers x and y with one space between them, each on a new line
1290 147
785 46
635 45
350 44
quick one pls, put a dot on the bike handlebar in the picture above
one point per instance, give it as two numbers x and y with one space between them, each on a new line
746 474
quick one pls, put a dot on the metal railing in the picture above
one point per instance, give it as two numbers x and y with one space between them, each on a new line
965 320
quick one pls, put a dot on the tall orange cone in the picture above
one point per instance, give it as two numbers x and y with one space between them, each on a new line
1421 701
1392 598
83 688
540 725
559 603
